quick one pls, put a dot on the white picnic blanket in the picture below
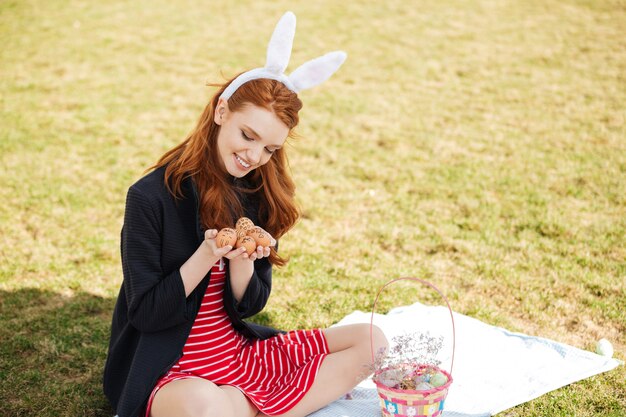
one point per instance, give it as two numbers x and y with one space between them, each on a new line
494 369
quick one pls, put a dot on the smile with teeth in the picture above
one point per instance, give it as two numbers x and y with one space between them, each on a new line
242 162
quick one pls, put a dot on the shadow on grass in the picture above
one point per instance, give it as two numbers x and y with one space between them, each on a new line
52 353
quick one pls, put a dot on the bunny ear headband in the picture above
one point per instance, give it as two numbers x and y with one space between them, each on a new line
307 75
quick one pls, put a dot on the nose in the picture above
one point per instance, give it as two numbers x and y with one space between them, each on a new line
253 154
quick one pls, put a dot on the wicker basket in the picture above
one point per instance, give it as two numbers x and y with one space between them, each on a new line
413 403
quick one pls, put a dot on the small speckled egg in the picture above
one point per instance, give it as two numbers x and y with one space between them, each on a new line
225 237
260 236
244 224
438 379
247 242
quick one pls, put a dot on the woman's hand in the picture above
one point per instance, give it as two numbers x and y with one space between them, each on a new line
224 252
200 263
236 253
261 251
242 267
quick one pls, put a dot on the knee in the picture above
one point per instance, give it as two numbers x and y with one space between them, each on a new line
373 340
195 405
379 341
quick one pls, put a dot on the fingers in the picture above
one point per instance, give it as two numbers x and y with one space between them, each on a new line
221 252
240 253
230 253
234 253
261 252
210 233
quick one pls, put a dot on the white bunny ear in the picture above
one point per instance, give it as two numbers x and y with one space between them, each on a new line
307 75
317 70
279 47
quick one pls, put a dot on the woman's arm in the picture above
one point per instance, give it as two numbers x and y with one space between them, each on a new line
248 294
242 269
157 299
200 263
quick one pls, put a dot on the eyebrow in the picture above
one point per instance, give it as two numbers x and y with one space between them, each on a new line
259 136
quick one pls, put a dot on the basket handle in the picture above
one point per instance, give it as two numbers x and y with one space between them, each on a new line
431 286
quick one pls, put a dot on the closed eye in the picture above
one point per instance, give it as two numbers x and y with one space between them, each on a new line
249 139
246 137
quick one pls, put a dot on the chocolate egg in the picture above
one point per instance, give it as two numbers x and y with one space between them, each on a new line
225 237
244 224
247 242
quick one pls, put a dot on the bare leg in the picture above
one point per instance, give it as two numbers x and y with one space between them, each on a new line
342 369
195 397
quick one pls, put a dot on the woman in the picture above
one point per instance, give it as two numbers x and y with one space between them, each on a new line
179 345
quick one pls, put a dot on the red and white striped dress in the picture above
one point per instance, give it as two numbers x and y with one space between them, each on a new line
274 374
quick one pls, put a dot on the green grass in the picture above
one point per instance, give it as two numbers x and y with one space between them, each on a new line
477 144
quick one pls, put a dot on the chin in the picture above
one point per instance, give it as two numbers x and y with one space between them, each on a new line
237 173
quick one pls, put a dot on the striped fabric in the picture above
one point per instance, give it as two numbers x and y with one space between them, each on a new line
274 374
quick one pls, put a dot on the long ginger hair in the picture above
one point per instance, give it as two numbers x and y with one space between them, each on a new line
271 184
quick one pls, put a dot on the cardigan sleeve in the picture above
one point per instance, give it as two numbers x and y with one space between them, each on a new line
156 298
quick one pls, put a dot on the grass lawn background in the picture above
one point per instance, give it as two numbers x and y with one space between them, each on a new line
478 144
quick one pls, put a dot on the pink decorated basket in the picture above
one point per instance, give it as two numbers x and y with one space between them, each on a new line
396 402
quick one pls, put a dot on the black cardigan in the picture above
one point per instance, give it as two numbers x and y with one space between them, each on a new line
152 316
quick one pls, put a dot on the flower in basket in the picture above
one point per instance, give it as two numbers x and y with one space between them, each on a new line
411 363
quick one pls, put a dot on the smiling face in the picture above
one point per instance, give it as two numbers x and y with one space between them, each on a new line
248 137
